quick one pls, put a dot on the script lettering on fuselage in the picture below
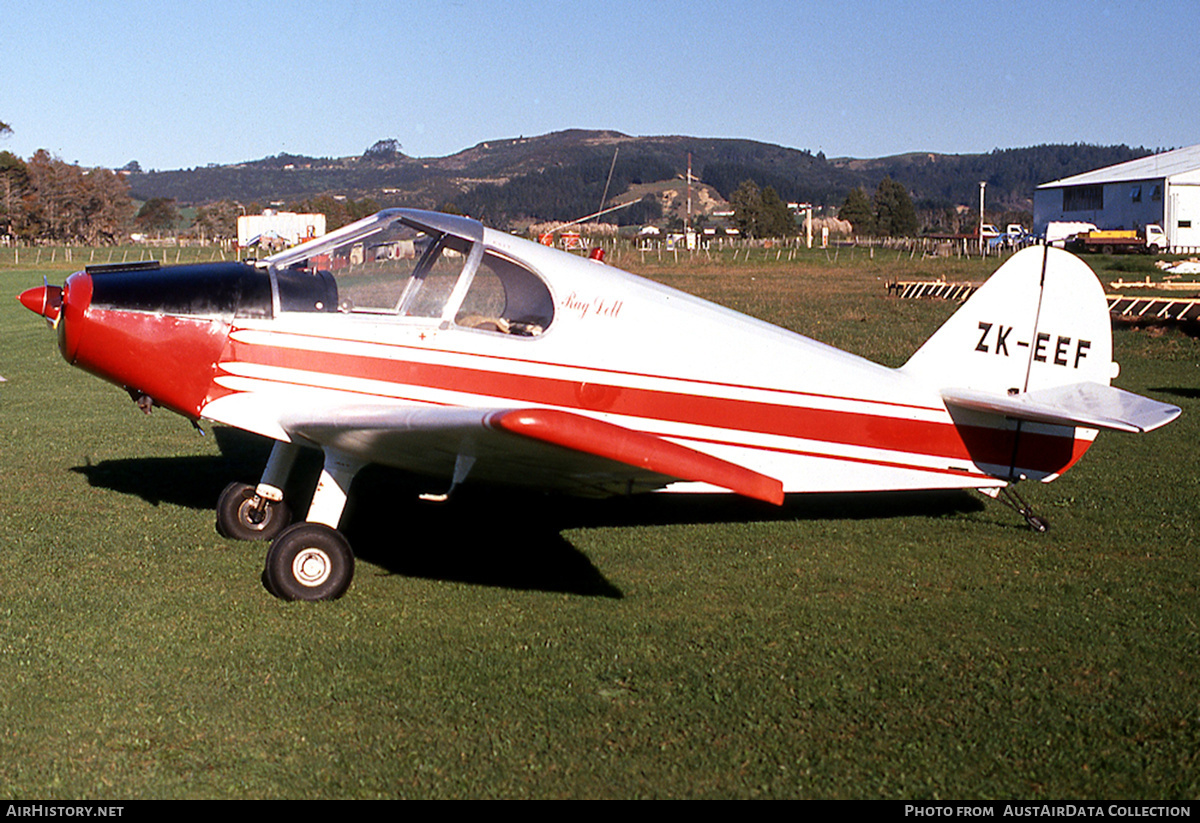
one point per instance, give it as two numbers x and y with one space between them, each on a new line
1061 350
595 307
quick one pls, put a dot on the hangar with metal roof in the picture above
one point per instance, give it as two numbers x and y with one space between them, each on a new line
1162 188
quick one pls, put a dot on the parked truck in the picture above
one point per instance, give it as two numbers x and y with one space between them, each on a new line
1150 239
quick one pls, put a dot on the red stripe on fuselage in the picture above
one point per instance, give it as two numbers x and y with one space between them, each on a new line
1037 452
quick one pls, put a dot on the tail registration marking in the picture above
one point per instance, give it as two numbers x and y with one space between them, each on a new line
1060 353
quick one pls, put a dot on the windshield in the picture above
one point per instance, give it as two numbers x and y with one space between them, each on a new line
400 270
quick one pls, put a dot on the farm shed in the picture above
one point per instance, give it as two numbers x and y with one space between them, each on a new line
1162 188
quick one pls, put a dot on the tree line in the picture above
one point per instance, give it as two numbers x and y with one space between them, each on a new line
555 177
761 212
889 213
45 199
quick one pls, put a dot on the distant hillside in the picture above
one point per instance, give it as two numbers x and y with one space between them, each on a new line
562 176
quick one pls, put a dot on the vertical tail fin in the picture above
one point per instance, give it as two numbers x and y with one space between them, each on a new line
1039 322
1034 344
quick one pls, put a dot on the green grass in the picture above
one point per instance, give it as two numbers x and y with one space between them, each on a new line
508 646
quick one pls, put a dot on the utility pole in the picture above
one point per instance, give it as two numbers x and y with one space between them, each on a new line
982 186
688 237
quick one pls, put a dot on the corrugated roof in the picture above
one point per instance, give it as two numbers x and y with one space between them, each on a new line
1167 164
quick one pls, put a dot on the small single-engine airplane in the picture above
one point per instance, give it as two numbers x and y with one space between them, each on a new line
426 342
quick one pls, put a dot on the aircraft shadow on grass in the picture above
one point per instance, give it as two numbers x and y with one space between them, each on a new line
484 536
1177 391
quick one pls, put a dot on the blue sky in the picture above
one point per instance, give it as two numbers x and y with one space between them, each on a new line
175 85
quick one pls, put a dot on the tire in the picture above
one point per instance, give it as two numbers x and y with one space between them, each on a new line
309 561
239 519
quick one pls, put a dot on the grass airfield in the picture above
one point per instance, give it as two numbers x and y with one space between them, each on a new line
511 646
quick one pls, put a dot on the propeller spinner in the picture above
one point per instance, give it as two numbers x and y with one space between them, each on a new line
45 300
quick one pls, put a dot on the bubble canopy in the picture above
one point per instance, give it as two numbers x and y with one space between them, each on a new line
413 266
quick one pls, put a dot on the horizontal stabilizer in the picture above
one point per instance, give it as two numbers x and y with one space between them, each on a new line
1090 405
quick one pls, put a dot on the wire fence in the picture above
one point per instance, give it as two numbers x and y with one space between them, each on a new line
616 251
81 256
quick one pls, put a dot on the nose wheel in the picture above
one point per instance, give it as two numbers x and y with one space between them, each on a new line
309 561
243 515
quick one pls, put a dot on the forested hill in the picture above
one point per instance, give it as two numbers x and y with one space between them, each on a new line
563 175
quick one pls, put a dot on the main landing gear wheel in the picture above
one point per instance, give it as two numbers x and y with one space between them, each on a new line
309 561
243 515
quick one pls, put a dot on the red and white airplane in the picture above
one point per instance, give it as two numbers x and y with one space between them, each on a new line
427 342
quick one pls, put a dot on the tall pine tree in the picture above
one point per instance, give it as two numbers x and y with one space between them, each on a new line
857 210
894 212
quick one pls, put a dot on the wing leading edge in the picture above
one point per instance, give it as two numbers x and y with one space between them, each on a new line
540 447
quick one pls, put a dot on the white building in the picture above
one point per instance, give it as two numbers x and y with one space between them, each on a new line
1163 189
283 227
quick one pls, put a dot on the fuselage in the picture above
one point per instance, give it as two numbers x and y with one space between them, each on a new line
240 344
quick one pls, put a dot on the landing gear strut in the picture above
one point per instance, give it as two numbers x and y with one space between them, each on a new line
1009 497
307 561
247 512
313 560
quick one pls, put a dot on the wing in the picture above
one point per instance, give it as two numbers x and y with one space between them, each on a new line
540 448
